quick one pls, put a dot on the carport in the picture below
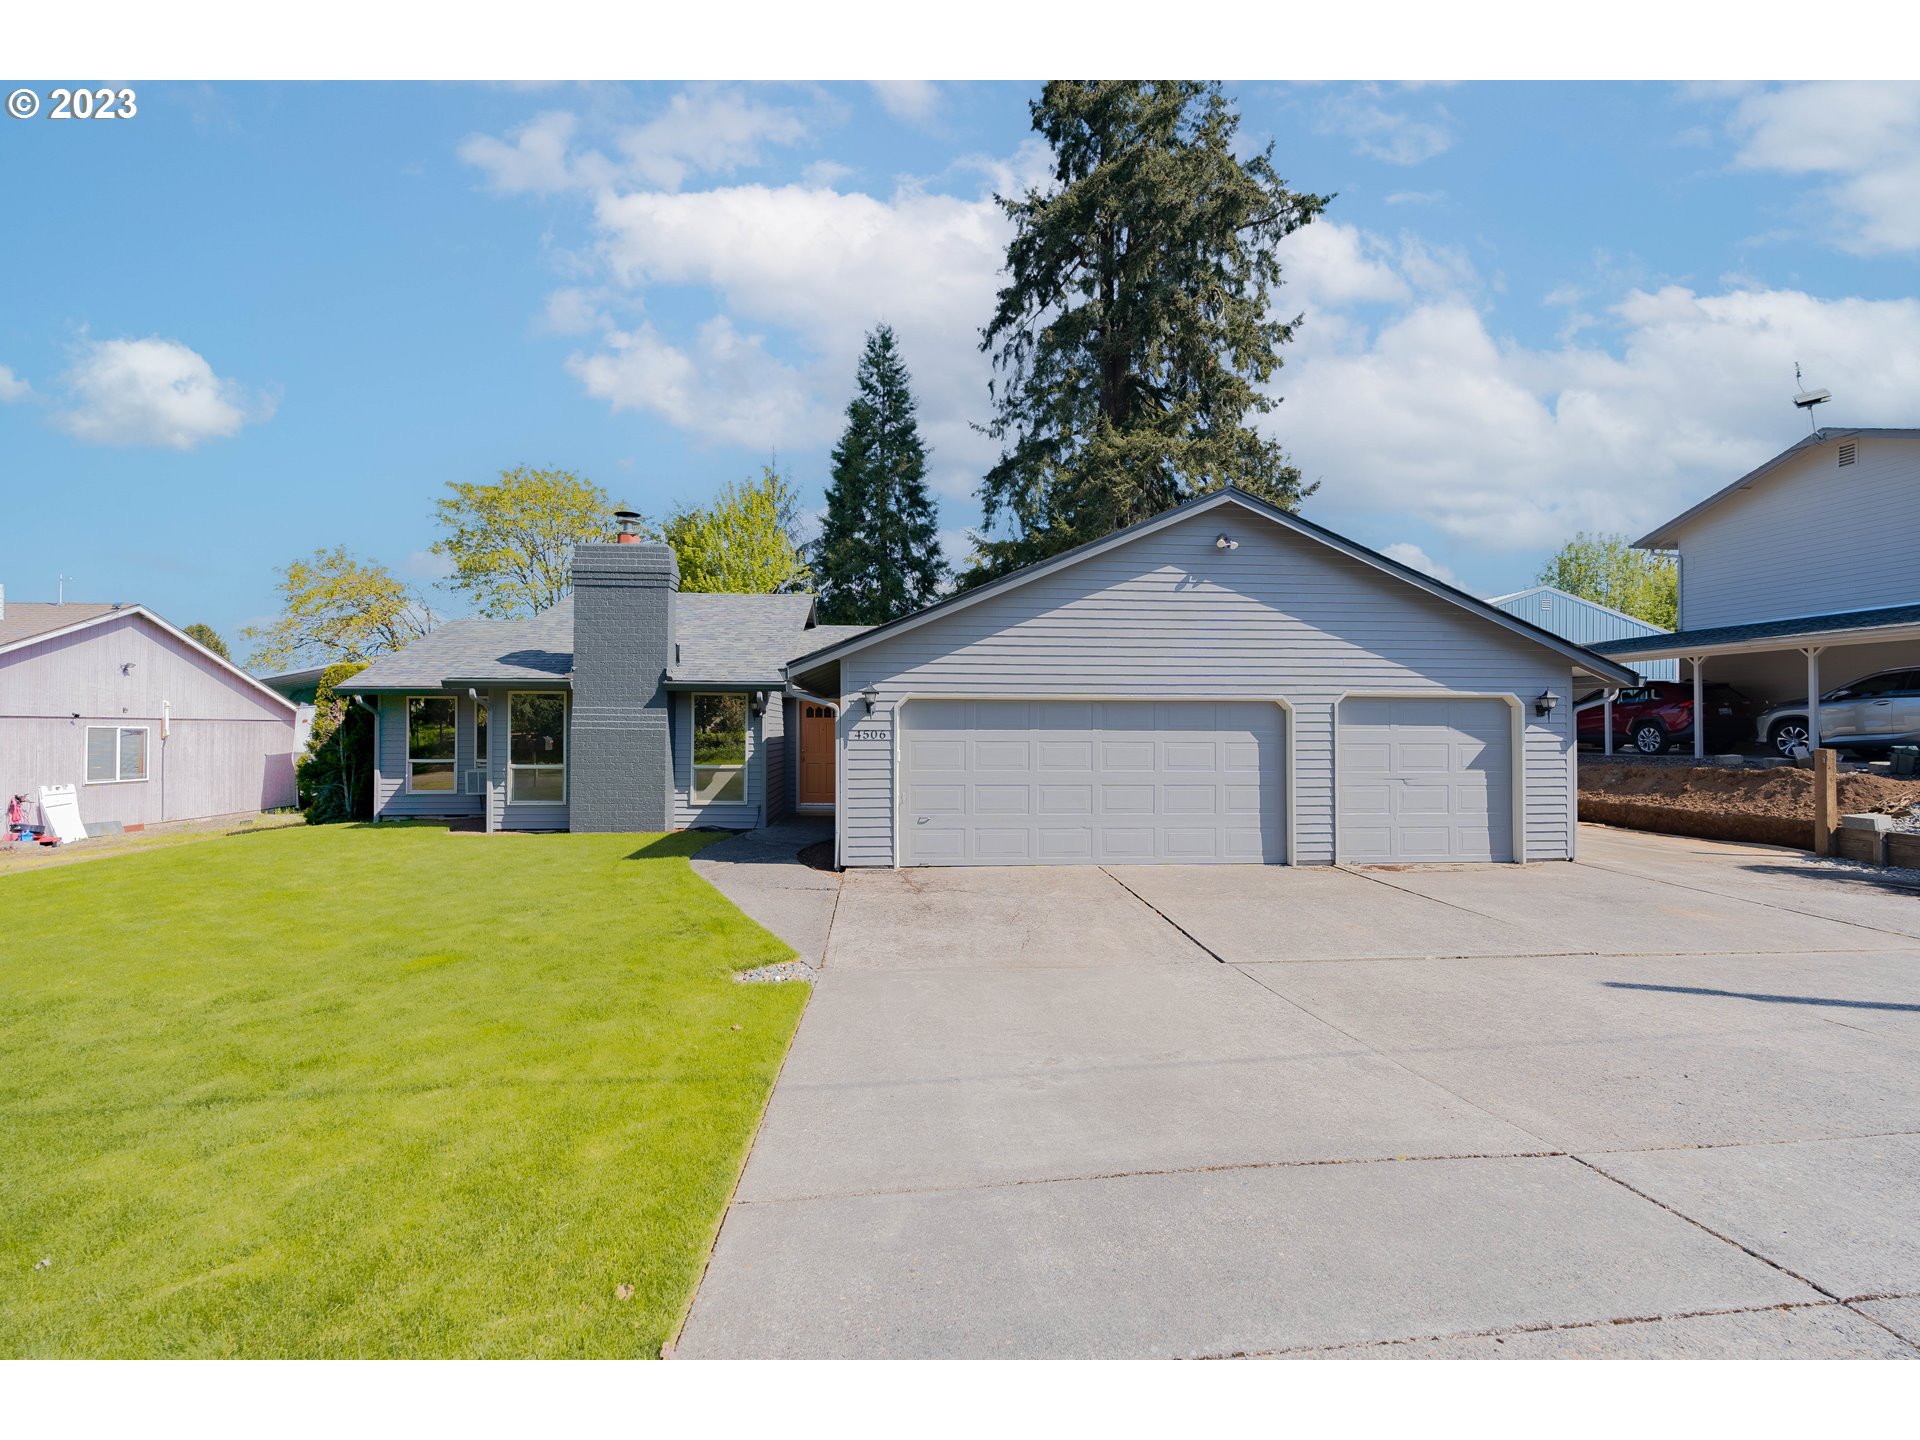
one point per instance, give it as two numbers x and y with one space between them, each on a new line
1766 659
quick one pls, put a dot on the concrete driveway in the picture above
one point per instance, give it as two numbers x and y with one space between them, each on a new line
1662 1102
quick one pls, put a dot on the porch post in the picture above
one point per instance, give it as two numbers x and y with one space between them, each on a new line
1699 709
1813 696
1606 719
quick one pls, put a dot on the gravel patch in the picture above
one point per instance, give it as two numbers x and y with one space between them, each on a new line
774 974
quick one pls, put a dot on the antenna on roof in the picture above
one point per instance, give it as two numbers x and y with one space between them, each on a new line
1807 399
63 590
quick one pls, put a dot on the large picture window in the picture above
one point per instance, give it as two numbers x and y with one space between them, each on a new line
430 744
116 753
719 749
537 749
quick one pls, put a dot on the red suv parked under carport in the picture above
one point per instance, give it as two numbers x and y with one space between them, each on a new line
1659 713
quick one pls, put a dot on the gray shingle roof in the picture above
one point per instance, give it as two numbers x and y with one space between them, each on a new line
540 649
24 621
1681 640
724 639
737 638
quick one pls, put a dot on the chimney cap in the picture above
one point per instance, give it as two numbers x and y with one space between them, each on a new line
627 523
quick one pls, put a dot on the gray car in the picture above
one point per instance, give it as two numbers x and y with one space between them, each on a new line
1873 711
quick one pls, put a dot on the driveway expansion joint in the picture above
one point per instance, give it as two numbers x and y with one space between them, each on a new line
1500 1332
1192 939
1226 1167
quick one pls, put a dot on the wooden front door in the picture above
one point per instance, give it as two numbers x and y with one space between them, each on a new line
816 754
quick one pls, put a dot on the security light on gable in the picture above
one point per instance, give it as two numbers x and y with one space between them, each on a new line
1226 542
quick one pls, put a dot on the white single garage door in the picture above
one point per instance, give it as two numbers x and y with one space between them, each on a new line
1425 780
1031 782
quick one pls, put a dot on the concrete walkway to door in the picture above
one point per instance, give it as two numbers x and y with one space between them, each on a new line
1662 1102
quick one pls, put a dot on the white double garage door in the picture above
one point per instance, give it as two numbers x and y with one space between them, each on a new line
1133 782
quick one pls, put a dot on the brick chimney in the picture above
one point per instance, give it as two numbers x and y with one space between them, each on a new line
623 629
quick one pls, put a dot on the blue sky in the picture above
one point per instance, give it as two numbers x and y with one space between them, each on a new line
260 318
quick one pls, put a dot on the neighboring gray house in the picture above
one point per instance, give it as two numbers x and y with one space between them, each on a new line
147 723
1225 682
1585 622
1802 575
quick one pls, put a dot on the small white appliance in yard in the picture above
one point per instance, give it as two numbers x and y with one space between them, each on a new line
60 813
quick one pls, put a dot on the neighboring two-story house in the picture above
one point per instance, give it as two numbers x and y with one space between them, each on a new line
1801 578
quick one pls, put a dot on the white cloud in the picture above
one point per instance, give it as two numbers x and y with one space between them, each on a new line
572 311
12 386
152 392
1866 135
806 272
425 565
1416 197
704 129
724 387
1433 417
1395 136
1415 558
912 100
536 160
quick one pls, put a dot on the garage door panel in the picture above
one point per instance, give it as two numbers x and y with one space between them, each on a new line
1063 755
1014 755
1000 800
937 799
1137 782
1424 780
1066 800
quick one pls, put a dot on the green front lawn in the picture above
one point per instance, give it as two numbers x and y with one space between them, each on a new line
352 1091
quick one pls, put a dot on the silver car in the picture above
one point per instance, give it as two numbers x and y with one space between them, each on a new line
1875 710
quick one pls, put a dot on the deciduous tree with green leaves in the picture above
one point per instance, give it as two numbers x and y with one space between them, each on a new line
337 607
878 556
511 540
743 542
1608 571
1132 344
208 637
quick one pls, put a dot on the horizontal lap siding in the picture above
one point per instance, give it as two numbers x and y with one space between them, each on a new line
231 747
391 798
499 747
1812 538
733 816
1171 616
778 756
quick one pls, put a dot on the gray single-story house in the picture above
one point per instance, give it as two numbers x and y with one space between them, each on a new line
1226 682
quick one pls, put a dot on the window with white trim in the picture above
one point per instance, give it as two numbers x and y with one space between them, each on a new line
116 753
431 746
536 749
719 749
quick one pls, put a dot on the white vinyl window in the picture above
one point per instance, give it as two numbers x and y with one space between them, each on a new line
116 753
536 749
719 749
430 744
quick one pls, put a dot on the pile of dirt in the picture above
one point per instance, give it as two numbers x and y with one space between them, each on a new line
1782 791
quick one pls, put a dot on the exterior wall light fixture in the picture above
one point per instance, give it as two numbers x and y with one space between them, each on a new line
870 696
1226 542
1544 705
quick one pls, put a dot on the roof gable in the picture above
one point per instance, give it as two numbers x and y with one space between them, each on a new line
1229 497
31 629
1666 536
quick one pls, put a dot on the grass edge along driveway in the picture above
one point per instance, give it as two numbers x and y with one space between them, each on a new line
373 1091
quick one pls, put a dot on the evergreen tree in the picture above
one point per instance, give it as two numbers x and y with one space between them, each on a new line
879 550
1132 341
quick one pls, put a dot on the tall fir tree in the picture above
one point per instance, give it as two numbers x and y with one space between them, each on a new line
879 551
1132 343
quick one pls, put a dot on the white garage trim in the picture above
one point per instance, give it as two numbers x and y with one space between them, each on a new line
1517 717
1211 697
